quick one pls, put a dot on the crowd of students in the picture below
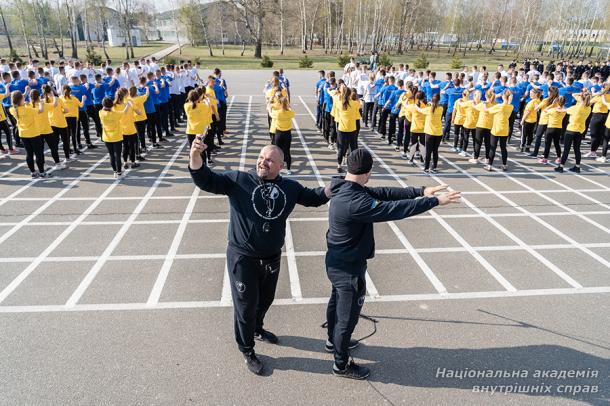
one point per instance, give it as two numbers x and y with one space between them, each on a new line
415 111
54 105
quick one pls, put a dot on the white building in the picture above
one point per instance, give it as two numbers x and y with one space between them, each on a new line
116 37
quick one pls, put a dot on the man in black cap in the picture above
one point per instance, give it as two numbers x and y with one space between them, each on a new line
350 241
261 202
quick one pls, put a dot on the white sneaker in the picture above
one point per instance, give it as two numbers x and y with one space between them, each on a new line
116 175
403 154
601 159
473 161
288 172
330 146
453 149
463 153
592 154
63 165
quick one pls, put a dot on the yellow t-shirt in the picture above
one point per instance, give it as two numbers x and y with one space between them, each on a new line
336 96
42 121
346 118
404 102
197 118
56 115
555 118
2 115
501 114
209 92
460 113
472 115
544 116
600 107
434 121
128 126
485 120
530 113
578 117
138 104
281 120
71 104
26 121
111 125
271 93
418 120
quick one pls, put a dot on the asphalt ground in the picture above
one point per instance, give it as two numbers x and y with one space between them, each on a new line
115 291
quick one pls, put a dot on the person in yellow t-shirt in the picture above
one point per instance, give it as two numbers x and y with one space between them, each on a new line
58 122
482 133
433 129
457 119
112 133
543 120
72 104
29 132
577 127
4 128
197 116
417 138
528 120
128 129
499 129
347 113
44 124
273 94
598 118
140 118
555 114
404 119
606 141
281 125
471 116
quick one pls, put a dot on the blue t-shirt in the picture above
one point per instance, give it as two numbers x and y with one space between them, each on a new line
443 99
154 96
219 91
517 95
453 95
149 105
111 89
328 100
320 87
394 99
498 90
99 93
567 92
89 92
379 84
483 90
162 97
79 91
6 102
386 91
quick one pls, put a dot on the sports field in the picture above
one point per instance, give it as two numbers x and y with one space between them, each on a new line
114 291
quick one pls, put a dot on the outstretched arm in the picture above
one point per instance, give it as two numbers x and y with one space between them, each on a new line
204 177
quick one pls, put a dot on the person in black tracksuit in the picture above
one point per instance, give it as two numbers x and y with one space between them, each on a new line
350 242
261 202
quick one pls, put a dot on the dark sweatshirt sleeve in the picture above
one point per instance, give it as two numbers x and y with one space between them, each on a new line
395 193
311 197
210 181
370 210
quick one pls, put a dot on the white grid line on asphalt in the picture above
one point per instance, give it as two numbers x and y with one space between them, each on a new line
244 146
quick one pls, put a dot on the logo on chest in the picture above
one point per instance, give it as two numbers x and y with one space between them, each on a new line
269 201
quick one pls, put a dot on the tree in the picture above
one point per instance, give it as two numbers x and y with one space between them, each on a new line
252 13
8 34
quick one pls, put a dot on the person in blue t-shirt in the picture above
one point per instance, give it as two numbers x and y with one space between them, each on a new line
515 101
384 97
149 109
154 83
500 88
453 94
394 110
112 82
78 91
90 108
330 130
442 88
379 84
163 85
320 100
98 91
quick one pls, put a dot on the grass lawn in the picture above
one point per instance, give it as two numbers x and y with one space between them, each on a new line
439 61
116 53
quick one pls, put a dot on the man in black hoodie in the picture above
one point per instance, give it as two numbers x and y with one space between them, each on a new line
350 241
261 202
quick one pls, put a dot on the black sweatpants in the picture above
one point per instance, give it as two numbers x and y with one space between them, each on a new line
4 128
72 131
345 304
527 134
553 136
606 143
94 112
330 130
164 116
457 130
392 127
481 137
115 149
64 136
253 283
346 141
222 112
597 128
173 111
283 139
157 122
34 147
540 131
83 120
141 129
467 133
433 142
571 139
383 121
151 126
130 145
494 141
368 112
376 111
52 141
319 115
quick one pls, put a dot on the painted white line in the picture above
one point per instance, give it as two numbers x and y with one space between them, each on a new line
566 278
295 285
38 260
438 285
313 300
226 297
244 145
80 290
155 293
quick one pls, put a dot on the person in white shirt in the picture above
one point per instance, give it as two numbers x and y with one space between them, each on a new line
3 66
475 74
350 65
60 79
154 66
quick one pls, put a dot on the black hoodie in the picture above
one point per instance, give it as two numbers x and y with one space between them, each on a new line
354 209
256 206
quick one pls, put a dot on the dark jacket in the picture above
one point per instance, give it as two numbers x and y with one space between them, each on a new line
354 209
255 202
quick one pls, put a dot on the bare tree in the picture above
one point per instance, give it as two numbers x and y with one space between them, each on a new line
8 34
252 13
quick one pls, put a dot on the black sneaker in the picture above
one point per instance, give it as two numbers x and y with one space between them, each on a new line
329 347
140 158
221 142
135 165
559 169
575 169
339 170
266 336
253 363
352 371
91 146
